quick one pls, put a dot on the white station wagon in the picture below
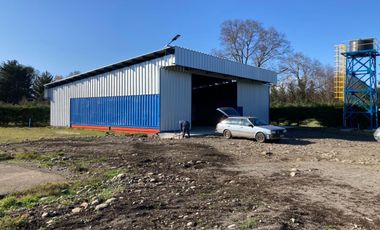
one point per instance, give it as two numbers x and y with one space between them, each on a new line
248 127
376 135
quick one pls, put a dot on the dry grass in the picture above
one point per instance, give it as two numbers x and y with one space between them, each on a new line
11 134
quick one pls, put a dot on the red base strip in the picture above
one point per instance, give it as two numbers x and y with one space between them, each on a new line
101 128
117 129
135 130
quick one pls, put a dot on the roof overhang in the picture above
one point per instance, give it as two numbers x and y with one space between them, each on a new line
190 60
112 67
209 73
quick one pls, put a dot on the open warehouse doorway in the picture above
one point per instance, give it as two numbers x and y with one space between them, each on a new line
208 94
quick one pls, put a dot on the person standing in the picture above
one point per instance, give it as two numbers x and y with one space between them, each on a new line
185 128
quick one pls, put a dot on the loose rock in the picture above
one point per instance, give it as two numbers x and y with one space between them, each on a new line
76 210
232 226
101 206
267 153
95 202
84 205
110 200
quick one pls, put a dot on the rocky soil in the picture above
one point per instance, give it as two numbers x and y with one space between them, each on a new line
313 179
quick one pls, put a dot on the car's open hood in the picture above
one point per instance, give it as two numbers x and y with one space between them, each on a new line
228 111
271 127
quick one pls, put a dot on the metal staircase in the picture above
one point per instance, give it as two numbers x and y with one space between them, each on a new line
360 94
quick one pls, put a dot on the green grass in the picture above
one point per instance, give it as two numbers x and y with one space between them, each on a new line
55 193
248 224
12 134
31 197
109 192
10 223
31 156
109 174
51 159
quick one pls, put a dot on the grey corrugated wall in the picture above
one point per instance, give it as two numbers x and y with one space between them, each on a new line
254 98
175 98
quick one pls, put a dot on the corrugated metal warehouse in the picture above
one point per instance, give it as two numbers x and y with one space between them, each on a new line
152 92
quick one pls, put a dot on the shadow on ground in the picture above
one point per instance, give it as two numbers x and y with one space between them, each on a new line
297 134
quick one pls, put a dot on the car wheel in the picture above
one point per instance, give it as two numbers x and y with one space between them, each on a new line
227 134
260 137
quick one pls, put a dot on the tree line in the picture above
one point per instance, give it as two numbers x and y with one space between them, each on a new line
21 83
301 79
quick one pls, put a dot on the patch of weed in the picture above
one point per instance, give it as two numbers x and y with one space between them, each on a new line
49 189
80 166
204 196
30 156
13 202
5 156
112 173
110 133
109 192
7 203
248 224
31 197
138 135
10 223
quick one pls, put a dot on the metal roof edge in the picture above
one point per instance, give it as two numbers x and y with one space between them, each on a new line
138 59
259 69
118 65
216 74
226 59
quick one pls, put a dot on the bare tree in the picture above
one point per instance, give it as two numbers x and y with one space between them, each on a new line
297 68
308 78
248 42
272 45
325 82
240 39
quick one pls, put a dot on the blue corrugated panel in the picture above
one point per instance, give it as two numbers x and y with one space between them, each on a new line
141 111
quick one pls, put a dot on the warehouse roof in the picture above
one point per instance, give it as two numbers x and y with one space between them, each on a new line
184 58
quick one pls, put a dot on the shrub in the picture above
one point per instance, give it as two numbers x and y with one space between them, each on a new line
326 115
20 114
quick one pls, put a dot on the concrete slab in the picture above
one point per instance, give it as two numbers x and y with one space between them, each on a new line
15 178
194 132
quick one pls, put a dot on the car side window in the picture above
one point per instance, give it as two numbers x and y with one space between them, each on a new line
244 122
234 121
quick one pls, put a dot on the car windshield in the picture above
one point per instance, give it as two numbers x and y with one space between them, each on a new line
257 122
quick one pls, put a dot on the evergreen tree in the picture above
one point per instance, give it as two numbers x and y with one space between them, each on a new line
39 85
15 82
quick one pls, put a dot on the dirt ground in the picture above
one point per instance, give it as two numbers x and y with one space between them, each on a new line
14 178
313 179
